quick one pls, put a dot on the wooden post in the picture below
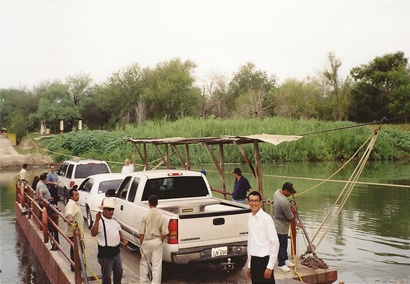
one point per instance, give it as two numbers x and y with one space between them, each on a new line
293 234
187 157
44 221
258 170
22 197
77 265
222 165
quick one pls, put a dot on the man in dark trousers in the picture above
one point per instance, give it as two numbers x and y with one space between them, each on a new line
241 186
52 184
108 232
263 243
283 213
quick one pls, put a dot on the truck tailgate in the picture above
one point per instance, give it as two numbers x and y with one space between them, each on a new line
219 224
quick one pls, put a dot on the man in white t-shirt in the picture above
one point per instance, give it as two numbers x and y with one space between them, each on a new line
128 167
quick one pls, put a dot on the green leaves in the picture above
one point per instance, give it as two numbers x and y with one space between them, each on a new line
382 88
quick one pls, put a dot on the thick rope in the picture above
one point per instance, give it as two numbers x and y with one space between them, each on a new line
344 165
84 255
344 195
294 258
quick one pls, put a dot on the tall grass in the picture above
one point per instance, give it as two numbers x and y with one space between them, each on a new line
335 145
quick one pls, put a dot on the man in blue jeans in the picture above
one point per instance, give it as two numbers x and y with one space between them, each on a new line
282 215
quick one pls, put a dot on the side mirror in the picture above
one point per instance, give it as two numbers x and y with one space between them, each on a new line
110 193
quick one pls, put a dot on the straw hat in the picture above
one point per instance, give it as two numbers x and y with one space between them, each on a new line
107 203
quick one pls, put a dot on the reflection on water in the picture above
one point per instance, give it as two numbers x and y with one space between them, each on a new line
369 241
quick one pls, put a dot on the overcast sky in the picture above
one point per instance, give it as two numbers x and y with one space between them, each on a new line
46 40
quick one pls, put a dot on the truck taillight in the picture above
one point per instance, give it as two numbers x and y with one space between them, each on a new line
72 183
175 174
173 231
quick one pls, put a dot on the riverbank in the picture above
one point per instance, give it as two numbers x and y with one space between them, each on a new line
11 159
322 141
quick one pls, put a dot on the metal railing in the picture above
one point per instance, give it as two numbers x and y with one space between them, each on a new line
46 216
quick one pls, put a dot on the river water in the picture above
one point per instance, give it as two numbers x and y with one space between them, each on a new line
369 241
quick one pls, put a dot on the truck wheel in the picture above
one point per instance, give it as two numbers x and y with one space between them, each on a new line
89 219
66 197
239 263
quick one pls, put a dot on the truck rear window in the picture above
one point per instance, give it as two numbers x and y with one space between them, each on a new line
175 187
85 170
109 184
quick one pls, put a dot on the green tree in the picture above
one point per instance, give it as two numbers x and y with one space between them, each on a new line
79 87
250 91
14 102
170 91
381 88
120 96
216 95
18 125
96 111
337 100
297 99
55 104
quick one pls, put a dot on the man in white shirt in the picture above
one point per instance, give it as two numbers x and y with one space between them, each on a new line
153 231
74 216
23 173
109 235
128 167
263 243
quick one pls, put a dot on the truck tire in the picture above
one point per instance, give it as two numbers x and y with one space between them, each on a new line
239 263
89 219
66 197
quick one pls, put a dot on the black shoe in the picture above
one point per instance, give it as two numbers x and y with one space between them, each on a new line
54 248
72 268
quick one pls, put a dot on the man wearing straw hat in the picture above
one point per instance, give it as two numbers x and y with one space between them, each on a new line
109 236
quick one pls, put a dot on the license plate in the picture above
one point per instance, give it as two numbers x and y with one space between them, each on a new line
219 251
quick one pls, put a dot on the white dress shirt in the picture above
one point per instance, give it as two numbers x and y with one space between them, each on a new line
262 238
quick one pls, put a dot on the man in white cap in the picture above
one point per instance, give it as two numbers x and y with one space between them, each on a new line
109 236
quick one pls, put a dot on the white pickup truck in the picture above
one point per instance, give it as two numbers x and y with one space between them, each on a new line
202 228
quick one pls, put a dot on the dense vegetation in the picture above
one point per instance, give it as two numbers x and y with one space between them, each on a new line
333 145
169 92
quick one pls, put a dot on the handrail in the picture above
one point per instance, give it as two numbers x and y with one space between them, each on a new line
25 191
